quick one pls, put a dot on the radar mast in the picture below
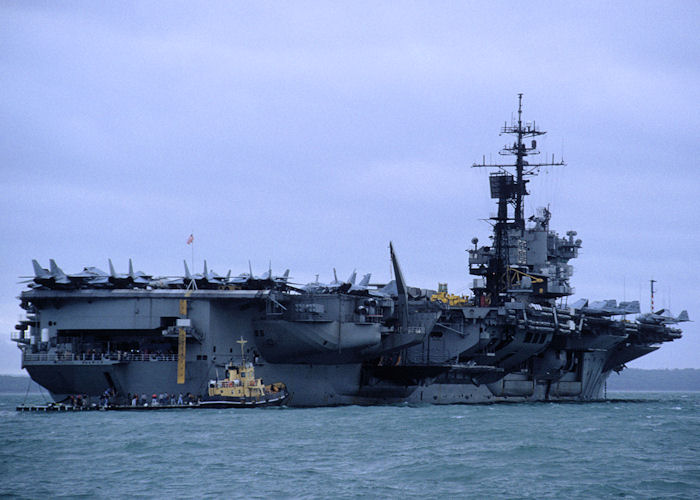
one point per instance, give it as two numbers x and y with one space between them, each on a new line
510 189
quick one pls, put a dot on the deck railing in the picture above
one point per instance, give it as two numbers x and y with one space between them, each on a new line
114 356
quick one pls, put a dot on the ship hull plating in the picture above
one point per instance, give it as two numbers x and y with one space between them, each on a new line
312 385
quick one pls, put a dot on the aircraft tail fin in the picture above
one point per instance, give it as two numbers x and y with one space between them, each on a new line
112 273
365 280
389 288
631 307
352 277
683 316
56 271
579 304
131 269
187 271
401 290
400 283
38 270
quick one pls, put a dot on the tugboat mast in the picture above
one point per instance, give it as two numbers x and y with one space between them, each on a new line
243 342
510 190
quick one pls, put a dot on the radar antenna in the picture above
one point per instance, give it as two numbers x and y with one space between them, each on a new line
510 190
504 187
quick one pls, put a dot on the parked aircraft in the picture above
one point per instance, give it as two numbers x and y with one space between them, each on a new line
607 307
335 286
362 287
265 281
131 279
206 280
661 317
53 278
91 276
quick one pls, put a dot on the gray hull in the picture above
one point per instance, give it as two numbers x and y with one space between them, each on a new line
312 385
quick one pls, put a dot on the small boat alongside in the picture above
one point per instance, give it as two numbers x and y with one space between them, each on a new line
240 388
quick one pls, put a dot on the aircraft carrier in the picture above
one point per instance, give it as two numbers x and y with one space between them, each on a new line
514 338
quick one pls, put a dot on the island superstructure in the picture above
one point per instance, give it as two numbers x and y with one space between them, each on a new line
515 338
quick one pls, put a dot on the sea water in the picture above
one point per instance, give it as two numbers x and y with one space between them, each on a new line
635 445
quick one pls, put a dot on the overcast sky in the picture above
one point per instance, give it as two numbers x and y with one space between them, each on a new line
312 134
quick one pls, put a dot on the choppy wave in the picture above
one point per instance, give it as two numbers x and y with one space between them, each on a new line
644 446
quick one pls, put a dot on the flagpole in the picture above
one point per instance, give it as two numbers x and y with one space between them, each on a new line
192 236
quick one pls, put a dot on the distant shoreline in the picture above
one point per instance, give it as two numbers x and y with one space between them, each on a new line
630 380
18 384
647 391
635 379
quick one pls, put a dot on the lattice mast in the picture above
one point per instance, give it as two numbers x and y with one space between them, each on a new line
511 190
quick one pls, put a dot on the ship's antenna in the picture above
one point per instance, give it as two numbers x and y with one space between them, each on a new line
652 294
513 190
510 189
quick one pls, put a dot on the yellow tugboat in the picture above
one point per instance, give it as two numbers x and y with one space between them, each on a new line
240 388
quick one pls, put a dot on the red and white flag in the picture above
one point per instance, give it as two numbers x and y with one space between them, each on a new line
190 239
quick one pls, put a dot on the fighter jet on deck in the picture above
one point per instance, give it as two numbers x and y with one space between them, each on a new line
661 318
91 276
265 281
120 280
335 286
53 278
362 287
606 307
206 280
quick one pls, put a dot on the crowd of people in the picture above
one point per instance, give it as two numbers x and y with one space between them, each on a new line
109 398
162 399
79 400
